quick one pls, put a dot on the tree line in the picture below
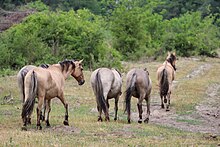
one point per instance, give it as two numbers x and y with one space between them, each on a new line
105 32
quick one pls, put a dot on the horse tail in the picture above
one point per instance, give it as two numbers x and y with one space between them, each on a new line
20 78
164 83
28 105
129 91
99 93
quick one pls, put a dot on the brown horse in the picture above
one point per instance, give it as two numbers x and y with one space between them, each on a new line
20 78
47 84
106 84
165 77
138 85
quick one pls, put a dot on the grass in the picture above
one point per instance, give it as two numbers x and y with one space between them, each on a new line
83 118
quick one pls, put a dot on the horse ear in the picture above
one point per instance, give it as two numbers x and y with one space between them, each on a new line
168 53
81 61
174 53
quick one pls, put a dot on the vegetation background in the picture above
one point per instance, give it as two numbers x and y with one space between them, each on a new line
104 32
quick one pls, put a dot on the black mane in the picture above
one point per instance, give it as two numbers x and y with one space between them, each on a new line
66 64
44 65
171 59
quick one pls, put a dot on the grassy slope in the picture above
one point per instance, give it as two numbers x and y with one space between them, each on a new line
89 132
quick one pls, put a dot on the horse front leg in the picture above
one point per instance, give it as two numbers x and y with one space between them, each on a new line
65 122
42 116
47 109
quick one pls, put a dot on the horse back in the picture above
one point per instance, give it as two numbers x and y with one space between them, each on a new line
169 70
50 82
106 77
142 82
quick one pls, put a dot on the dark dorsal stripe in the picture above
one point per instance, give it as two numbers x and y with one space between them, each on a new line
66 63
118 72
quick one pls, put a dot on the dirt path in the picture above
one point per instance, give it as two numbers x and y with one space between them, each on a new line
206 118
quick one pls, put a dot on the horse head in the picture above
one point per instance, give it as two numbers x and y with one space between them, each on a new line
171 58
78 72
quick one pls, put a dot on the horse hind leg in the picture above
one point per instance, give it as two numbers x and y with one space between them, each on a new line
148 109
39 107
116 107
168 103
140 110
162 103
100 113
47 109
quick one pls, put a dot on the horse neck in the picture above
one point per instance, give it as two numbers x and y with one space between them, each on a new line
166 63
65 73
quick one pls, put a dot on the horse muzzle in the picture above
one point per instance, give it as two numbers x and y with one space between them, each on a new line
81 82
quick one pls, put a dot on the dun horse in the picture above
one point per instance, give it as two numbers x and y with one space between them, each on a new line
47 84
20 78
106 84
165 77
138 85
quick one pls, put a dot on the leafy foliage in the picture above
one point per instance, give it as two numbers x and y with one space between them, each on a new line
109 31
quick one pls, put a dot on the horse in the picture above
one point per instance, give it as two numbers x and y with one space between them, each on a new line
20 80
106 84
139 85
165 77
47 84
21 75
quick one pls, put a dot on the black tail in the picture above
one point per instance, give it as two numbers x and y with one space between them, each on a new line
129 91
164 83
99 93
28 106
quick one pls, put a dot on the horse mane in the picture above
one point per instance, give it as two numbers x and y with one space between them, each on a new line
66 63
44 65
171 59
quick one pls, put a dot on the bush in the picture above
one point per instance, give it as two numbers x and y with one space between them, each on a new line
48 37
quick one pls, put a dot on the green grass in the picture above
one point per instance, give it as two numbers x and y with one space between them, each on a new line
89 132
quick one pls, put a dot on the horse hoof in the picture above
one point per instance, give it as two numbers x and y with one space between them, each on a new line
115 119
23 128
165 100
99 119
39 127
139 121
28 121
129 121
47 124
65 122
162 106
42 118
146 120
107 119
167 109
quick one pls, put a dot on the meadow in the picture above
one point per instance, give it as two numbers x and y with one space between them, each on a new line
184 125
